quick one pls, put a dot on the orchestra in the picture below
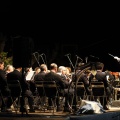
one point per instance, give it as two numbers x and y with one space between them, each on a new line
82 71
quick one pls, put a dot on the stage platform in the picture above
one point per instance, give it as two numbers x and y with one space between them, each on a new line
112 114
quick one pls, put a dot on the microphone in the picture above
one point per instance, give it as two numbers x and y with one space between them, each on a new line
79 57
67 54
94 56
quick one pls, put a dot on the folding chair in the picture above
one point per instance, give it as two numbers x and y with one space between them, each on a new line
16 92
115 83
51 91
117 92
40 92
2 99
98 90
81 91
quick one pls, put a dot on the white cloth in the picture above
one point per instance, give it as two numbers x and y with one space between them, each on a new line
97 107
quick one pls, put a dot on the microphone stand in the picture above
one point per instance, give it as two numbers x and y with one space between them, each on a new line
75 94
36 58
72 81
75 97
70 61
22 108
45 59
77 62
42 58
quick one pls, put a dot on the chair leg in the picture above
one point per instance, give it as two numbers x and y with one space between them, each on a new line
53 105
3 102
22 107
16 104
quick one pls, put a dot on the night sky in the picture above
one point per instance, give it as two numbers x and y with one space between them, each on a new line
71 29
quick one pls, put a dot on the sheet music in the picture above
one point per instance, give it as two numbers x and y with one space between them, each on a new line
29 75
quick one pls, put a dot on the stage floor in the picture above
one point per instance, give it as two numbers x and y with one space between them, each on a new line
50 114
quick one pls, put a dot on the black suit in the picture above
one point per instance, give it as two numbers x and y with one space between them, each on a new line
86 82
101 77
5 91
68 91
40 76
3 82
78 77
16 75
51 76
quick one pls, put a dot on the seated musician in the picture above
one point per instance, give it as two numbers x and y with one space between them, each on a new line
53 76
29 77
68 85
17 75
102 77
4 90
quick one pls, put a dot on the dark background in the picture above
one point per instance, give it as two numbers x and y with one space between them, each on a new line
59 28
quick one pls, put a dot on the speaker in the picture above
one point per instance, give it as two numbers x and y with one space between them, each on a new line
22 51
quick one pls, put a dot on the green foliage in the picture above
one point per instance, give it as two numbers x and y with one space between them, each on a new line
7 60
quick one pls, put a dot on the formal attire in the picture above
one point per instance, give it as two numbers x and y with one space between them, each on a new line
63 88
26 93
5 92
102 77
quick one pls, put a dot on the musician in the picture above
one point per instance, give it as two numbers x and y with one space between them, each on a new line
29 77
9 68
69 73
111 82
62 71
17 75
53 76
5 91
68 85
40 77
41 74
102 77
37 70
82 77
